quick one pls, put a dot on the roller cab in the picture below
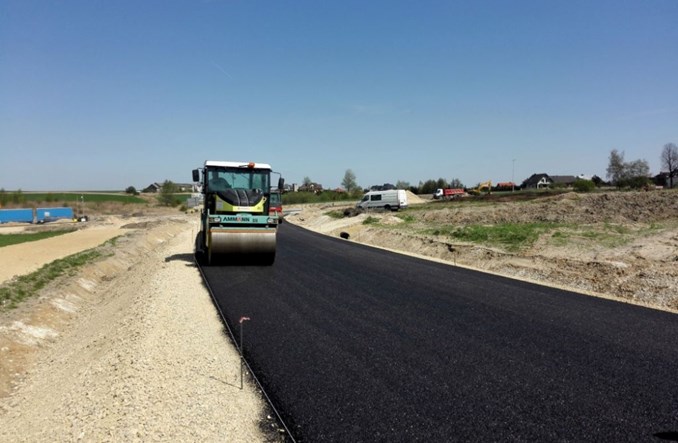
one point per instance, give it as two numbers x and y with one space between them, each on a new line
235 221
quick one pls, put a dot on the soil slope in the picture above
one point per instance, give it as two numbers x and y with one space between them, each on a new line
131 349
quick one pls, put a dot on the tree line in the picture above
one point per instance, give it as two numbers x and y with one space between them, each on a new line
636 174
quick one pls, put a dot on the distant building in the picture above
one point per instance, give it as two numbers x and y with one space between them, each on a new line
502 186
537 181
663 179
566 181
183 187
311 187
153 187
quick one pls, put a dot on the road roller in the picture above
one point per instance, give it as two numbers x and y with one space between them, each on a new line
235 223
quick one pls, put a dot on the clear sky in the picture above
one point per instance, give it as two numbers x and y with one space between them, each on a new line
98 95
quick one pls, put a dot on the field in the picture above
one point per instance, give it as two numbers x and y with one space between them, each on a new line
14 239
77 198
17 199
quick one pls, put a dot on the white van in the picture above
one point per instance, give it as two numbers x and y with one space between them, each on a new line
391 200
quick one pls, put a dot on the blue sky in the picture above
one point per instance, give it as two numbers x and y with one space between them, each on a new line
107 94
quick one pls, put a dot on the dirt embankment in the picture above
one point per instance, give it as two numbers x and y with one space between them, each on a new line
129 349
621 245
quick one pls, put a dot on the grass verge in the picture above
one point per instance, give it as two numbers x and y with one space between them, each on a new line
15 239
606 235
511 236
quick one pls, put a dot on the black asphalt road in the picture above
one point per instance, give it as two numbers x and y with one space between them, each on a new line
357 344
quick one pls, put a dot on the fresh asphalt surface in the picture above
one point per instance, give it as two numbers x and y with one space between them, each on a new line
356 344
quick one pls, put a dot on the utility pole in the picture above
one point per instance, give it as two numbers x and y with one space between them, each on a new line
513 173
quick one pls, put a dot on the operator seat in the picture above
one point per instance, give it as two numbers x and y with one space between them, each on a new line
241 197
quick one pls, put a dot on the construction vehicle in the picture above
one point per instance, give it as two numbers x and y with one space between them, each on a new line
449 193
235 222
275 205
389 200
482 187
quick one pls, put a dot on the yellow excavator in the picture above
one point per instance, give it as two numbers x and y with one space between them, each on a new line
482 187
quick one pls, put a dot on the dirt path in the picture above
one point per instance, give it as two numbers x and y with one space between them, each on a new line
25 258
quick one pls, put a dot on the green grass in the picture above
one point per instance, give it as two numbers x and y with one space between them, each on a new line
607 235
26 286
335 214
511 236
407 218
112 241
15 239
371 220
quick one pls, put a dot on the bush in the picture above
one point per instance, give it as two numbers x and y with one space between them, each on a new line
131 190
639 182
167 191
584 185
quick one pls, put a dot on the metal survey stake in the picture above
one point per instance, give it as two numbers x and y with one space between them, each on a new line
242 319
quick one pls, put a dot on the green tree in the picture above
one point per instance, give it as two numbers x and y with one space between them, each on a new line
634 174
3 197
636 182
638 168
349 182
583 185
429 187
167 191
400 184
307 181
456 183
131 190
615 167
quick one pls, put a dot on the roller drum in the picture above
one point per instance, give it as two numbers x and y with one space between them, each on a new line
232 243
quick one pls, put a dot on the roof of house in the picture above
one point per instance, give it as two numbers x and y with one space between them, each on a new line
536 178
152 187
563 179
